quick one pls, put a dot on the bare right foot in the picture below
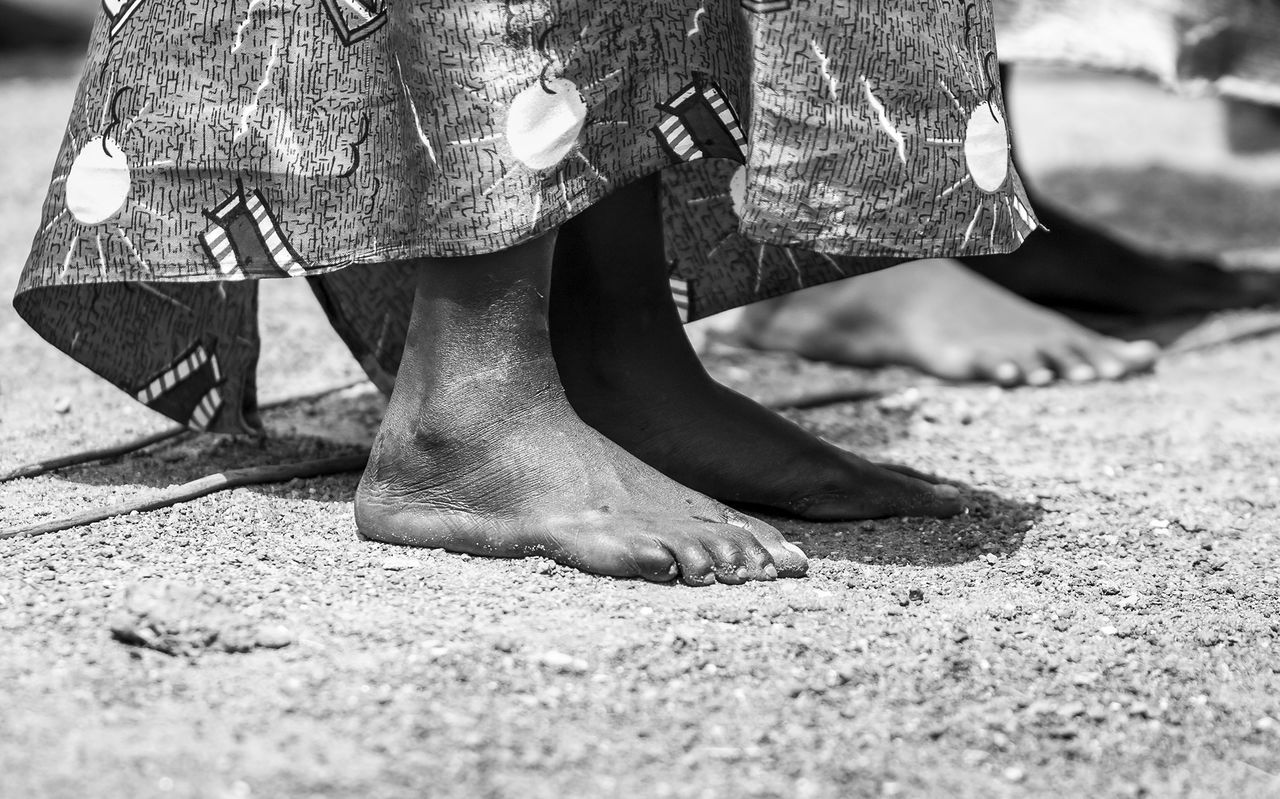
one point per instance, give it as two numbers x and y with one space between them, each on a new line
480 451
943 319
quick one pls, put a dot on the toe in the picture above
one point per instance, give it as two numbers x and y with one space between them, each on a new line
737 555
1113 359
693 562
788 559
611 554
1000 370
884 492
1139 356
1069 363
653 562
909 472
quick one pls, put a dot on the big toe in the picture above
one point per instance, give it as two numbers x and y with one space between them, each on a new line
1114 359
789 560
612 555
881 492
736 554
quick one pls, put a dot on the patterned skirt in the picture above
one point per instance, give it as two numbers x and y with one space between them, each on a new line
215 142
1231 46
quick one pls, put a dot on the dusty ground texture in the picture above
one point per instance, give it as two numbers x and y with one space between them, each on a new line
1102 622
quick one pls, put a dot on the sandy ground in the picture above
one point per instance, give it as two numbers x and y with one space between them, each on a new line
1103 621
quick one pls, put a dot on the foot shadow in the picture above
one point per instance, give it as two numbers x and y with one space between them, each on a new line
989 525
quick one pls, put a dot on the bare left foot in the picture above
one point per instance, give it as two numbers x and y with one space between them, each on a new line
629 372
943 319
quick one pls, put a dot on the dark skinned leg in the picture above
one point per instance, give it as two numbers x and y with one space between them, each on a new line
480 452
630 373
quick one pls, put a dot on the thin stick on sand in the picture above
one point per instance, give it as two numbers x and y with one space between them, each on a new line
253 475
142 442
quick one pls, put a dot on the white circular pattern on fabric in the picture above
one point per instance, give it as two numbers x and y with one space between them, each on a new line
544 122
98 183
738 190
986 148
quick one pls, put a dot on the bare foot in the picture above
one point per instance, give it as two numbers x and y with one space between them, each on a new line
480 452
941 318
630 373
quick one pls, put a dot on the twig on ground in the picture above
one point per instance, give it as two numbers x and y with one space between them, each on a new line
142 442
234 478
90 455
816 398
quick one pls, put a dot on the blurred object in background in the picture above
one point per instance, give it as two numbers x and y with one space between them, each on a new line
1252 127
36 24
1231 46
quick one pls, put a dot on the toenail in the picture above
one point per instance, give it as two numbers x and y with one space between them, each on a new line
946 492
1006 372
1081 374
1040 377
741 573
770 571
1112 370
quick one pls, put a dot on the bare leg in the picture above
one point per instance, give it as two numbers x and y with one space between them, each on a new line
629 372
480 452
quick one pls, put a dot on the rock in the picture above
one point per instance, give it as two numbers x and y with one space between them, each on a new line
1041 707
1071 709
181 619
916 595
563 663
397 563
1206 637
1015 774
62 405
273 636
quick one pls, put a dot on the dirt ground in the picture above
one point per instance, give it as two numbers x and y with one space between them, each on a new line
1103 621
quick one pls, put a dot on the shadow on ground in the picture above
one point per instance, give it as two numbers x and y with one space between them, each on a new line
990 525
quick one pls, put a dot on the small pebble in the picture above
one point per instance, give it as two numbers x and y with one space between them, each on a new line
400 563
916 595
62 405
1015 774
563 663
273 636
1071 709
1207 637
